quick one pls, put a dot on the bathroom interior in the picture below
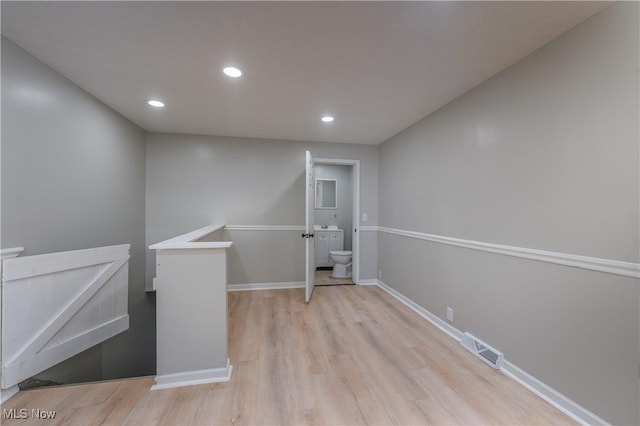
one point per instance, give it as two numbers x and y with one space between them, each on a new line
333 224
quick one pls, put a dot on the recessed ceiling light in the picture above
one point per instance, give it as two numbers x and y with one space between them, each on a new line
155 103
232 72
327 119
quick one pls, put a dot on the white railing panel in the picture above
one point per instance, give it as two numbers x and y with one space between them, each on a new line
56 305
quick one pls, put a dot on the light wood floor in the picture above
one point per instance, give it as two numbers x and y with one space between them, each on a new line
323 277
354 355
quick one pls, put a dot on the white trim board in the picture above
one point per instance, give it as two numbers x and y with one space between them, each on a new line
191 378
264 228
627 269
336 161
442 325
190 240
11 252
265 286
372 281
18 268
553 397
368 228
6 394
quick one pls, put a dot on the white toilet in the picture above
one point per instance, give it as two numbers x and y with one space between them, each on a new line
342 267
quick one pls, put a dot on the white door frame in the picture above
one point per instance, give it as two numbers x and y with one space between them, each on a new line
355 231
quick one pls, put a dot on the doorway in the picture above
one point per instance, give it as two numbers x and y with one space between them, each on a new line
336 213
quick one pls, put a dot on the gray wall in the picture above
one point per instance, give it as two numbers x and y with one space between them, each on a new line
544 155
73 178
344 212
196 180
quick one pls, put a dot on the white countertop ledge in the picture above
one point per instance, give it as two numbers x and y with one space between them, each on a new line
190 240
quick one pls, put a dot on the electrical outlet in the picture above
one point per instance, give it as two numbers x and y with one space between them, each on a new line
364 217
380 274
450 314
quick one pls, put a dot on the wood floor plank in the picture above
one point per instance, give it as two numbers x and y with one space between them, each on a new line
370 406
151 407
215 406
353 355
113 406
336 401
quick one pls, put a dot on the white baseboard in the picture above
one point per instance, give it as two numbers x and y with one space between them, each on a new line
190 378
279 286
6 394
368 282
442 325
553 397
265 286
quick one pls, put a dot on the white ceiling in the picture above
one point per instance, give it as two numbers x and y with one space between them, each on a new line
378 67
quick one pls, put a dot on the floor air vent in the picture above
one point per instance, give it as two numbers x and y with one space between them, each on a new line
483 351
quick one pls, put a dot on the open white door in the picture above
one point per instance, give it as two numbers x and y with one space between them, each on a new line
309 228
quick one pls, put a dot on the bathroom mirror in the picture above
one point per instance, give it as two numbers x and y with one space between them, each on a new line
326 194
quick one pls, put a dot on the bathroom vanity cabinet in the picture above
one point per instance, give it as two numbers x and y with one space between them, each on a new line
327 240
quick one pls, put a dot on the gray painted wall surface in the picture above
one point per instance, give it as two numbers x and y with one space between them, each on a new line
265 257
344 212
544 155
196 180
73 178
192 331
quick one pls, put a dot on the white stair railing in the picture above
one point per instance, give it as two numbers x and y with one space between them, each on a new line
57 305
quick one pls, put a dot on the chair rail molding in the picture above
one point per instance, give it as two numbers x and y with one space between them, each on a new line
264 228
11 252
616 267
